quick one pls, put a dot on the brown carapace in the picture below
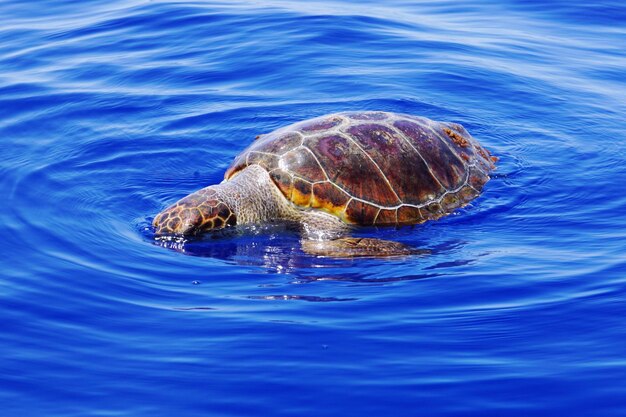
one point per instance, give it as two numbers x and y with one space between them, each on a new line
373 168
353 168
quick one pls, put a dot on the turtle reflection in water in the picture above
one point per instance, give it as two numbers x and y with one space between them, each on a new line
335 172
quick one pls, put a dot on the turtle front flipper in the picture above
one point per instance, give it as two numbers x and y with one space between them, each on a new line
353 247
326 235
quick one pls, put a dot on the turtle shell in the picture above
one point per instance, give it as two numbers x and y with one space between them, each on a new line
373 168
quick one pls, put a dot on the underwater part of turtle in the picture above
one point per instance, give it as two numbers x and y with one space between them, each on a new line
338 171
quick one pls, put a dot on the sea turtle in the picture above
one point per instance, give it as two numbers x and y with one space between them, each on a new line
333 172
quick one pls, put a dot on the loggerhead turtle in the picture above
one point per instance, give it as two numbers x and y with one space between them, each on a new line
333 172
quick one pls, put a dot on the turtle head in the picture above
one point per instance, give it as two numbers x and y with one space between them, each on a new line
197 213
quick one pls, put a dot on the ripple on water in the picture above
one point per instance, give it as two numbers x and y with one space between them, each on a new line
112 110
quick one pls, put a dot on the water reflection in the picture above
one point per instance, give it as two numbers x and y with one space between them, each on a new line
365 279
288 297
276 248
271 247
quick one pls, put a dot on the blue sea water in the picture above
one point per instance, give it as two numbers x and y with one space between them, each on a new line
111 110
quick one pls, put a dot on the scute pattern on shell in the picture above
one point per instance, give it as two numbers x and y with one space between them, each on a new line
373 168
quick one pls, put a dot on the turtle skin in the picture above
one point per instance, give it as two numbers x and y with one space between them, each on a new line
373 168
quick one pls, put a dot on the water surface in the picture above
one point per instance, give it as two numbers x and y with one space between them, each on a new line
109 111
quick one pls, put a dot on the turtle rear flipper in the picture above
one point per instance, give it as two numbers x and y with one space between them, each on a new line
354 247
